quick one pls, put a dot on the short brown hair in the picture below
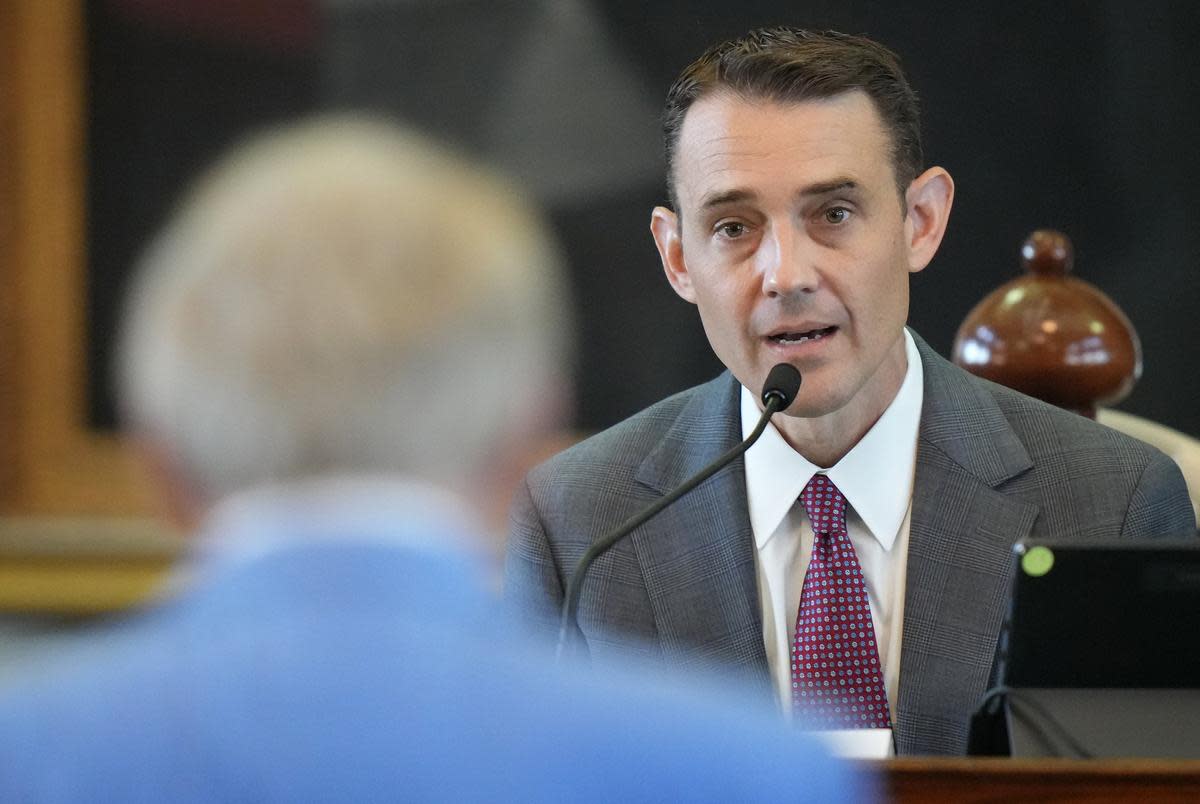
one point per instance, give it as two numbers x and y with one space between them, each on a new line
793 65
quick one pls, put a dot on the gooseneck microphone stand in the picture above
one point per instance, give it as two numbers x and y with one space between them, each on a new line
781 387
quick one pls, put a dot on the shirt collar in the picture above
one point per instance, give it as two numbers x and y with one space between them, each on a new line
876 475
337 509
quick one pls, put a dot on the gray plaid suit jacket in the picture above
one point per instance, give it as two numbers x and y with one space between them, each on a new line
993 466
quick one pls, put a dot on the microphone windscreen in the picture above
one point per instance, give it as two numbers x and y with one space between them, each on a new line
783 381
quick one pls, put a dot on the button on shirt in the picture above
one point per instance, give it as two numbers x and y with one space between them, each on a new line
876 476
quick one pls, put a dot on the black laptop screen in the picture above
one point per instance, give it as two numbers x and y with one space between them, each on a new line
1109 615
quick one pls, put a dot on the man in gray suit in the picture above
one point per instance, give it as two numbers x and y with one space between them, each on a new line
799 206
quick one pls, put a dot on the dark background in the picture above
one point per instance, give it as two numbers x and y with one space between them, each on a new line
1080 116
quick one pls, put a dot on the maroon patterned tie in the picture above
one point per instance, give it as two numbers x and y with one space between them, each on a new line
837 681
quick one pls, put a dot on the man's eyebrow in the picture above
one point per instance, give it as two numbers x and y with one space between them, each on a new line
827 187
725 197
737 195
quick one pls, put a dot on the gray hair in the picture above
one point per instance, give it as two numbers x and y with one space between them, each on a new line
342 296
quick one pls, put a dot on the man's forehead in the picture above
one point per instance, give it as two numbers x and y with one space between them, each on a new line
723 108
726 137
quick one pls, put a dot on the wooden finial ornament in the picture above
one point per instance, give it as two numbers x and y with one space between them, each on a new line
1050 335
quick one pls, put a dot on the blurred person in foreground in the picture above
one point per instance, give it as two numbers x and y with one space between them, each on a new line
331 354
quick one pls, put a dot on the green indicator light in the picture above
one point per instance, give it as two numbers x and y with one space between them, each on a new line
1037 562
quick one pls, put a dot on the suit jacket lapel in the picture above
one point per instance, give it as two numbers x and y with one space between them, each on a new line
697 557
959 557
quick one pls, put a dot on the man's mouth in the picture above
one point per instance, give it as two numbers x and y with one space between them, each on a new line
789 338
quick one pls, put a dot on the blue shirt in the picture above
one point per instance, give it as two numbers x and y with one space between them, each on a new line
366 667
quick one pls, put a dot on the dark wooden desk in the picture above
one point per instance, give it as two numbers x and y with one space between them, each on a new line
1006 780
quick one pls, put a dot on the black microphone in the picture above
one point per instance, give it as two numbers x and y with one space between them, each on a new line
781 387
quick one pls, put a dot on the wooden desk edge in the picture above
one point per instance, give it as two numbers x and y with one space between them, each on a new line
997 779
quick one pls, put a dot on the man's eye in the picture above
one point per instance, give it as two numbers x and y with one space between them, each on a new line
837 215
731 229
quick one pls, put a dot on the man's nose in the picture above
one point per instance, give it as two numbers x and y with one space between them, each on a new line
786 262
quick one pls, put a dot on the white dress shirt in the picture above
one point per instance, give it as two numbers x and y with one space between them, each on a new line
876 477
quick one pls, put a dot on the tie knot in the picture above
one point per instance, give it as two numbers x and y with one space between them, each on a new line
825 505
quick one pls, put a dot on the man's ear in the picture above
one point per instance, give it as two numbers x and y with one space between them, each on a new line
664 225
929 199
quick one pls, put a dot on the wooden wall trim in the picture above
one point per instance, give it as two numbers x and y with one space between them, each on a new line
9 404
56 465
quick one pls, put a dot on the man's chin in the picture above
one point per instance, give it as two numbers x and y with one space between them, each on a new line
816 398
815 404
